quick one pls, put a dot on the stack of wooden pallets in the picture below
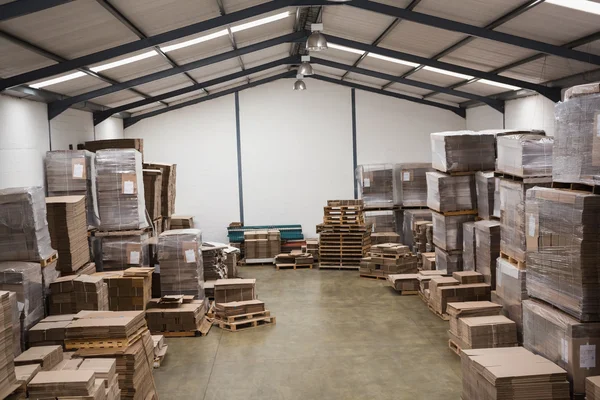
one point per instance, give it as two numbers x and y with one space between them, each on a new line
344 237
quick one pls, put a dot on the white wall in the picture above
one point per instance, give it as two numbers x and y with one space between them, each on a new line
70 128
390 130
533 112
23 142
201 140
296 152
484 117
111 128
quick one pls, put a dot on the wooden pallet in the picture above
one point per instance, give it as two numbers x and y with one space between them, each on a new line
244 317
246 324
423 298
371 276
414 208
456 213
523 179
339 266
130 232
516 263
407 292
112 343
595 189
454 347
444 317
47 261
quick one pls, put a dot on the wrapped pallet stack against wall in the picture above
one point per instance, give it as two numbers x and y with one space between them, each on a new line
487 249
411 184
376 186
181 266
168 192
488 195
122 251
119 182
152 196
73 173
510 292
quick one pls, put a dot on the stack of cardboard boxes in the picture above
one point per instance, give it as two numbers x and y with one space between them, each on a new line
128 290
389 258
262 246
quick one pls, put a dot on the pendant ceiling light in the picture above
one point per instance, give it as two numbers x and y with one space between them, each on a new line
305 68
299 84
316 41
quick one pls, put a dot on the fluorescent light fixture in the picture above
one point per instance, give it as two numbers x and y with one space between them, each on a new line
498 84
259 22
344 48
124 61
581 5
450 73
60 79
192 42
393 60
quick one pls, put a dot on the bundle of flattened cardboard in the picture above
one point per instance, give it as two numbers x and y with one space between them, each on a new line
486 332
234 308
451 193
487 247
123 251
68 231
262 244
168 189
408 224
128 290
7 365
376 185
228 290
153 192
404 282
175 316
463 151
134 360
120 187
563 227
73 173
74 293
376 238
392 258
592 388
488 195
510 292
423 236
24 232
448 290
469 253
450 262
95 145
213 257
511 373
411 183
383 220
50 331
181 264
424 277
468 309
525 155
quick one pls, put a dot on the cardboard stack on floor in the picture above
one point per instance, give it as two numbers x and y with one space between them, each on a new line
182 222
123 224
377 184
232 256
237 306
128 290
344 238
423 239
176 315
74 293
7 347
312 247
424 277
131 346
262 246
73 173
167 193
67 225
462 286
295 259
213 259
387 259
411 219
384 237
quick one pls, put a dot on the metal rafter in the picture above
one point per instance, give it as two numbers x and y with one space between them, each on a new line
457 110
58 107
383 35
101 116
55 57
496 104
231 37
575 43
512 14
152 41
551 93
132 120
20 8
450 25
125 21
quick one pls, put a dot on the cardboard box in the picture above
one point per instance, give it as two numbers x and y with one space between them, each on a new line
463 151
168 190
228 290
451 193
448 230
525 155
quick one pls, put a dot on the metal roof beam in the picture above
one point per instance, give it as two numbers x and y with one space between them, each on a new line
58 107
20 8
132 120
55 57
457 110
455 26
125 21
383 35
551 93
152 41
498 105
231 37
494 24
575 43
102 115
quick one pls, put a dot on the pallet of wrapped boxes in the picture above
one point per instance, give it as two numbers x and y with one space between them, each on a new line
344 238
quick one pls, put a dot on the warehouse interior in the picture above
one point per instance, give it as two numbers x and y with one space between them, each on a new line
286 199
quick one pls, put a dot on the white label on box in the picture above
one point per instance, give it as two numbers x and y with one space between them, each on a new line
190 256
406 176
134 257
78 171
531 226
510 271
366 182
564 350
128 187
587 356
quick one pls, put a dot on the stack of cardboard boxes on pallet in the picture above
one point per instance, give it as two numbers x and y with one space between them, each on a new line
387 259
261 246
344 238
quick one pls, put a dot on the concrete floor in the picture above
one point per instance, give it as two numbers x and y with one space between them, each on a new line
337 336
